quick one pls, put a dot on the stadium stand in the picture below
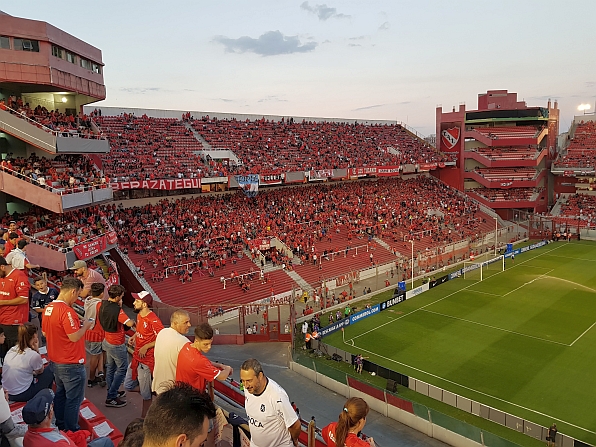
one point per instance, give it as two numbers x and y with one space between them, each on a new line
144 148
265 146
508 132
581 207
581 152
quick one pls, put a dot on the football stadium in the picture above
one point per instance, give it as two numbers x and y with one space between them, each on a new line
433 265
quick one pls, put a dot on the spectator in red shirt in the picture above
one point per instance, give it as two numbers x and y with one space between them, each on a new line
351 422
94 336
14 303
66 348
113 320
11 243
140 371
196 369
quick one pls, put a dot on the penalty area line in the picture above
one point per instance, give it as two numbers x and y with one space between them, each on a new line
476 391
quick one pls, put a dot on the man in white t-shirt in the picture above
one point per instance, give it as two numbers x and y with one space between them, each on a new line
168 344
272 419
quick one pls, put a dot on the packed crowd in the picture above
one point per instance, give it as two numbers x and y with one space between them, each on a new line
581 151
59 231
63 173
265 146
144 148
215 229
580 206
50 120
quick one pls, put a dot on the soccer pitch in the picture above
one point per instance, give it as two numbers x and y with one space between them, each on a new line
522 340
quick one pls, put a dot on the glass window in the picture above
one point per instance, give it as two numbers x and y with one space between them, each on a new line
4 42
85 64
70 57
96 68
56 51
26 45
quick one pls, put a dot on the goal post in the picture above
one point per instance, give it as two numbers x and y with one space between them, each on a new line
479 271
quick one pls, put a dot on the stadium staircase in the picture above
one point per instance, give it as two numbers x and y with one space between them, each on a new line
205 291
199 137
382 243
300 281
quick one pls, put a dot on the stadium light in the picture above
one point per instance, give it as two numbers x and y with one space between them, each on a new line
64 99
412 242
584 108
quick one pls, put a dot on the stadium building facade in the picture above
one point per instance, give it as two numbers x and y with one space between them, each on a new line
503 151
46 77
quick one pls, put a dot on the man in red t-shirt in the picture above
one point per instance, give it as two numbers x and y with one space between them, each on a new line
193 367
14 303
113 320
140 371
66 349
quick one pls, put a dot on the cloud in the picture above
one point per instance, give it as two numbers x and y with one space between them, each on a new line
384 26
142 90
324 12
368 107
357 38
272 98
354 45
591 84
272 43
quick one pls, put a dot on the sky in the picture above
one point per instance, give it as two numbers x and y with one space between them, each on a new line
374 59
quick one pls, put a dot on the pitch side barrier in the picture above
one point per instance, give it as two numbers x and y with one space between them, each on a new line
400 296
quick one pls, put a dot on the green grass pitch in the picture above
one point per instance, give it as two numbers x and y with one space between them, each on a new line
522 340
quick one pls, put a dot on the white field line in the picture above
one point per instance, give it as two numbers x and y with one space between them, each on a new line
486 293
583 333
529 282
572 282
475 391
498 328
451 294
577 259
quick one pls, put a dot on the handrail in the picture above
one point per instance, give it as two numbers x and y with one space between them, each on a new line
49 130
59 191
38 241
133 269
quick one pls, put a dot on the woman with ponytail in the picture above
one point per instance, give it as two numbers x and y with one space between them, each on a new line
344 432
23 373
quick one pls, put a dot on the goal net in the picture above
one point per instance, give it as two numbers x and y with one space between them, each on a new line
480 270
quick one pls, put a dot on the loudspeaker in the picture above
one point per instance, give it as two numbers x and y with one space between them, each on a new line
391 386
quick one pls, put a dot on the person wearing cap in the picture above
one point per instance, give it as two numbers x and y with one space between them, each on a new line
14 303
114 320
88 276
18 257
66 349
14 228
37 414
140 371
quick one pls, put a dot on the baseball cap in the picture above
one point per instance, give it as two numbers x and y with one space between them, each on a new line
143 295
78 265
38 408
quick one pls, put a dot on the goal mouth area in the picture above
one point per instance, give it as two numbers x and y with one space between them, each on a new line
480 269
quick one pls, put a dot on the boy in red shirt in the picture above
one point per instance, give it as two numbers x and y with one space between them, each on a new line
140 371
113 320
193 367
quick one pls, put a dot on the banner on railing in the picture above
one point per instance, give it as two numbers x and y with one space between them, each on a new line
249 184
180 183
263 243
95 246
347 278
319 174
361 172
388 170
271 179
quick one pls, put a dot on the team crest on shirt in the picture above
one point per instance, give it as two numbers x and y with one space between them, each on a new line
48 311
262 408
